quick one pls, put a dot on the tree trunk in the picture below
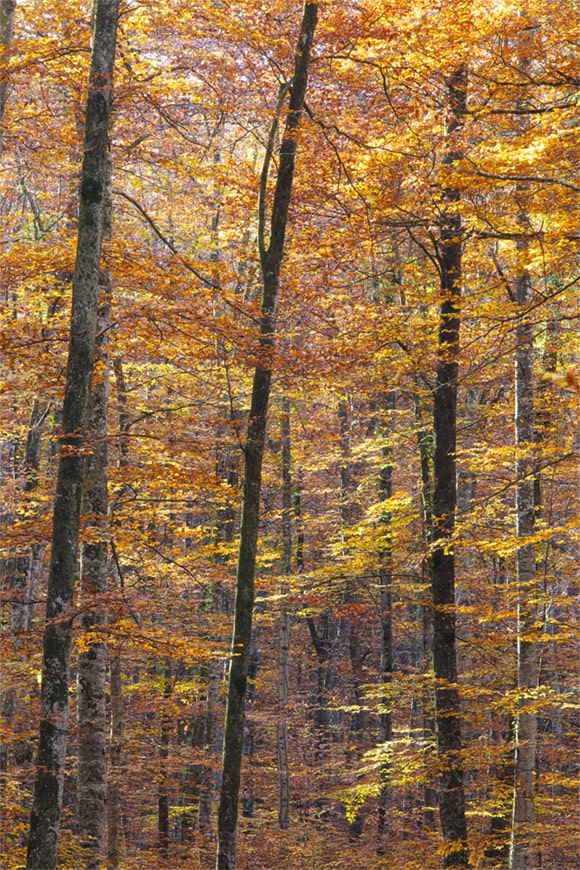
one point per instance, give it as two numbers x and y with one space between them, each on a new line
284 627
521 853
425 445
271 261
451 791
163 780
92 663
114 771
47 802
526 722
385 576
7 11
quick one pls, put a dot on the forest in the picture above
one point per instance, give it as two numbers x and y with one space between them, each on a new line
289 434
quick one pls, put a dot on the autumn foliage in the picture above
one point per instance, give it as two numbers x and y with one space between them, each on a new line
197 86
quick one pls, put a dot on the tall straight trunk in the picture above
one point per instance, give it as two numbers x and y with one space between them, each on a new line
447 708
385 577
425 445
47 801
114 767
116 731
163 776
521 852
92 662
284 627
271 261
7 11
526 722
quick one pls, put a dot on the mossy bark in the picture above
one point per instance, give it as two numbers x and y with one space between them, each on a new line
271 261
447 707
47 800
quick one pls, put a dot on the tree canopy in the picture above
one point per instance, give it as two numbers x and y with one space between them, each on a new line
421 417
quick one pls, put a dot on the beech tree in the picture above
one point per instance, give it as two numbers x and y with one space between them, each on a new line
47 804
271 254
447 712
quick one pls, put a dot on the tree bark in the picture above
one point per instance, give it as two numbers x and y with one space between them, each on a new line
114 771
7 11
521 853
447 708
284 627
526 721
92 663
271 261
47 801
385 577
425 446
163 776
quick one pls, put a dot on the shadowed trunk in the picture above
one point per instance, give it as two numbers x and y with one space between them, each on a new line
385 577
447 708
284 627
92 663
529 615
7 11
47 802
526 726
114 771
271 261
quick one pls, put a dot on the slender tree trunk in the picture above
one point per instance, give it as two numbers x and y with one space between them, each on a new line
7 11
47 802
521 853
114 771
526 721
385 576
163 782
284 627
271 261
92 663
451 791
425 445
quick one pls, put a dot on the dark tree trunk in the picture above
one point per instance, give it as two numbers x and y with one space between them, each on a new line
92 663
7 11
284 626
447 708
527 491
47 802
271 261
385 577
526 730
114 771
425 445
163 782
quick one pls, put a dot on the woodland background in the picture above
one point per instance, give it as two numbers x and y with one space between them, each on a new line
346 530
